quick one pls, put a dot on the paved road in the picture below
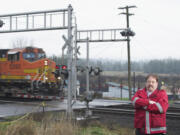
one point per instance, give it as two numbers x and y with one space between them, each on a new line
10 108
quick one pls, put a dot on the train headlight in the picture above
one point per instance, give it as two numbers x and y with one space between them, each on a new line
59 78
45 62
28 77
46 78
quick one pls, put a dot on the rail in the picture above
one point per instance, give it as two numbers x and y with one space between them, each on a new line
129 110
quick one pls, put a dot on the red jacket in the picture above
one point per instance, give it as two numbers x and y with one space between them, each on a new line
150 118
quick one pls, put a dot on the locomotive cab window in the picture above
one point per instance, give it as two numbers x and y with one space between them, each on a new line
29 56
13 57
41 55
2 55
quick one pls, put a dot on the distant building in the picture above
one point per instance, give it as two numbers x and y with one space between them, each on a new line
114 90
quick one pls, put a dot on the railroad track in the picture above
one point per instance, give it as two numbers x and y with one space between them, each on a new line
129 110
129 106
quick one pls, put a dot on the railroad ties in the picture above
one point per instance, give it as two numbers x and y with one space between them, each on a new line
127 109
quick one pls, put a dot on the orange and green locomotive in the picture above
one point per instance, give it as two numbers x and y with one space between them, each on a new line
27 70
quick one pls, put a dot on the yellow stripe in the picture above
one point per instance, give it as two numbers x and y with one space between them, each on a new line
3 59
40 70
12 77
31 70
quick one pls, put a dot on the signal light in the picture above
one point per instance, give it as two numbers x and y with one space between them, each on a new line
127 32
57 67
97 71
64 71
61 67
64 67
61 71
1 23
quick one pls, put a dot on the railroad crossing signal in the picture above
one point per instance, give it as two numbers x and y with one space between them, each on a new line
67 42
77 50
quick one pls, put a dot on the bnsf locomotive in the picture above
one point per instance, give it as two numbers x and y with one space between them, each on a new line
27 71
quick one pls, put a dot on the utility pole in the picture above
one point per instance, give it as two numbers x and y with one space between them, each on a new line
87 67
134 82
121 86
99 83
128 46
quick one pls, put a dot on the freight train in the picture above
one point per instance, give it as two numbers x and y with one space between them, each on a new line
28 71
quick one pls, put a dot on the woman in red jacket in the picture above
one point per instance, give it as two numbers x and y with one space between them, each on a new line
150 105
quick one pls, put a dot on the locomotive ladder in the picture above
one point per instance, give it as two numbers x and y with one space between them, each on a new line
37 82
32 83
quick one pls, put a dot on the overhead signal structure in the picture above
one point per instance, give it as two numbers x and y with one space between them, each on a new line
98 35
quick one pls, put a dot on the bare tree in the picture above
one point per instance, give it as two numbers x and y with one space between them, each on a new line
21 43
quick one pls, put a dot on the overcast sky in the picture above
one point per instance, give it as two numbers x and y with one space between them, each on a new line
156 24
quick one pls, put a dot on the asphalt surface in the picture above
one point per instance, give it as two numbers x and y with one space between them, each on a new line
11 108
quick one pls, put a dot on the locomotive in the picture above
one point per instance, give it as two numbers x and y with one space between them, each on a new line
28 71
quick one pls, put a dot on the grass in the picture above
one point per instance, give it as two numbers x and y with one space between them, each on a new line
113 98
171 101
95 131
58 125
105 131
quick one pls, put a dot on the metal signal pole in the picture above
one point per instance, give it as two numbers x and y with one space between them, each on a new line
128 46
87 67
70 55
75 62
